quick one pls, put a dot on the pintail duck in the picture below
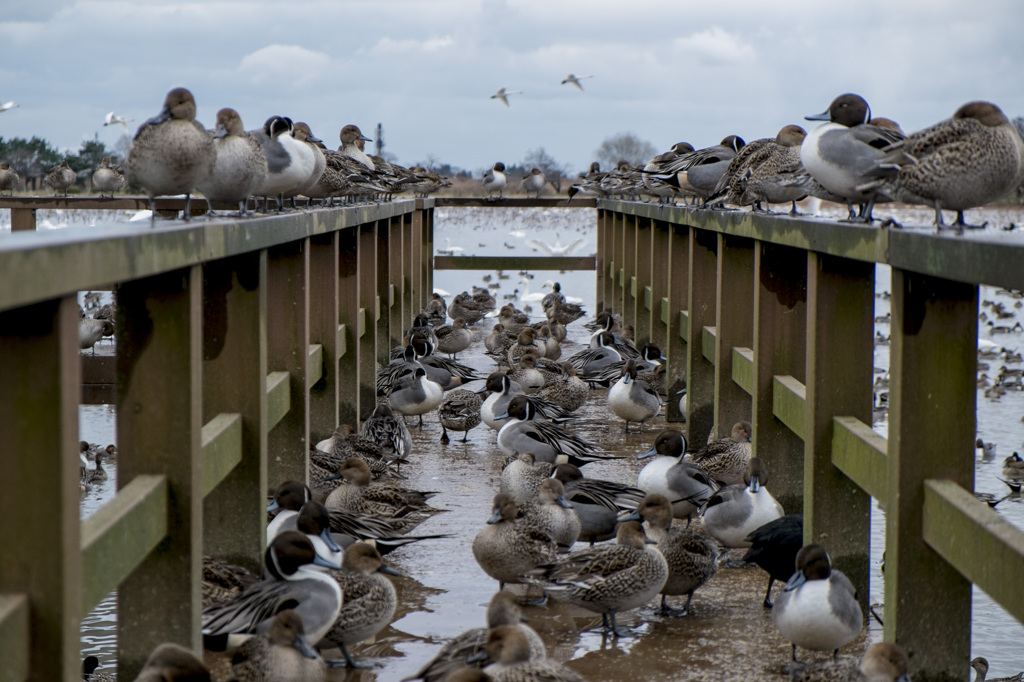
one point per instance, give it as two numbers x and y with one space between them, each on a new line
315 596
564 314
754 175
9 178
91 330
692 558
503 609
465 307
89 674
509 649
60 178
547 441
569 393
303 134
774 547
107 178
589 184
99 474
282 655
534 181
632 400
387 431
370 598
419 396
452 340
344 529
507 548
556 296
494 179
727 460
882 662
966 161
171 153
288 500
173 663
1013 468
381 499
331 453
459 411
698 172
597 502
818 608
436 311
527 375
522 477
550 511
980 666
607 579
349 135
289 161
503 389
736 511
592 360
525 341
841 154
240 168
682 482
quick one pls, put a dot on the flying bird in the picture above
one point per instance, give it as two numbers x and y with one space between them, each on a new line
575 80
114 119
502 94
558 248
11 105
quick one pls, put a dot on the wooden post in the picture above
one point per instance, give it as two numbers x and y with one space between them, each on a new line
382 303
348 315
618 254
678 300
288 351
932 389
734 327
643 267
840 361
159 400
235 380
323 329
629 279
40 372
23 219
603 262
660 268
780 335
367 336
409 274
700 373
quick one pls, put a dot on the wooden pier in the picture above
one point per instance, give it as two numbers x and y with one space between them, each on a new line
240 342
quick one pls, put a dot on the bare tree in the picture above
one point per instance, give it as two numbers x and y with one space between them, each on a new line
553 171
624 147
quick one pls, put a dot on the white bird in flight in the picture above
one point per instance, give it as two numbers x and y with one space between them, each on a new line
8 105
113 119
557 249
575 80
502 94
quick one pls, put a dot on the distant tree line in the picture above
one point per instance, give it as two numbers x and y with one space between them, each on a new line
32 158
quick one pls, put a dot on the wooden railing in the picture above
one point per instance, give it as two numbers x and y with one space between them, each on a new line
771 319
238 344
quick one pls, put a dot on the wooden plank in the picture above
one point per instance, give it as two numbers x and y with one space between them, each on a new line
789 403
349 326
120 534
15 637
314 365
23 219
342 343
934 325
367 257
221 447
734 326
159 354
708 345
976 541
700 308
780 337
40 372
322 378
656 294
279 401
860 454
514 263
382 310
743 369
677 294
515 202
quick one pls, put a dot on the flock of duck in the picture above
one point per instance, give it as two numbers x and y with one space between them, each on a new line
968 160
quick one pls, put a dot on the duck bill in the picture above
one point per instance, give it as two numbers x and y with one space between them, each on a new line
333 477
754 484
364 138
796 581
478 657
562 502
320 561
303 647
313 138
273 506
631 516
325 535
220 132
823 116
503 415
384 568
495 517
650 453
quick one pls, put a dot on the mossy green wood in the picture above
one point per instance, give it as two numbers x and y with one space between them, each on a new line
780 332
159 393
221 448
235 379
322 370
367 277
840 362
932 395
288 294
601 262
348 317
15 637
701 312
676 299
860 454
314 365
396 314
410 273
734 326
279 398
658 290
708 344
789 403
119 535
382 339
41 373
643 272
743 369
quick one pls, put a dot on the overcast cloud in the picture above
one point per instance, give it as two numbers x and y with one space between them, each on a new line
666 70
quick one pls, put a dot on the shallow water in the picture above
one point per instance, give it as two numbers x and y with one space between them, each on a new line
727 634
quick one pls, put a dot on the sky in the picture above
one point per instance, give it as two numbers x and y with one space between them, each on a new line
664 70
